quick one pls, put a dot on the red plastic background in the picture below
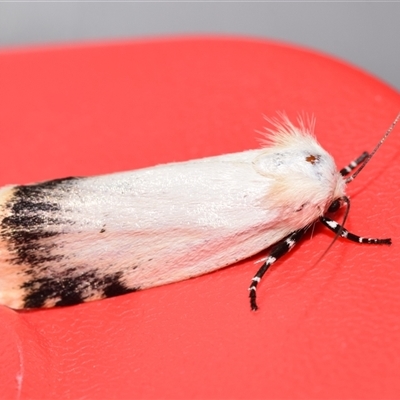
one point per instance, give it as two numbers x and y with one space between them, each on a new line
325 331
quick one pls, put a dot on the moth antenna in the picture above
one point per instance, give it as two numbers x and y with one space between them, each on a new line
352 177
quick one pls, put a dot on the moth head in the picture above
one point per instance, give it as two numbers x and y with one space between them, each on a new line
304 178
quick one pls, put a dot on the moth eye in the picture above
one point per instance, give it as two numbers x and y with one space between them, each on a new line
334 206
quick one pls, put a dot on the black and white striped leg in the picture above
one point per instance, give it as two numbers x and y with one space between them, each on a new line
337 228
355 163
278 250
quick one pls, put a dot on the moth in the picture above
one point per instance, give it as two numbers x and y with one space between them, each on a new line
77 239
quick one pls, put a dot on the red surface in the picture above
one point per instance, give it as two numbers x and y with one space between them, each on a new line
325 331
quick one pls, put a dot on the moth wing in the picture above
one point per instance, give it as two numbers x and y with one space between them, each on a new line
80 239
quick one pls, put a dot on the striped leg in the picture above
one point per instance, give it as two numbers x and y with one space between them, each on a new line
338 229
278 250
336 204
355 163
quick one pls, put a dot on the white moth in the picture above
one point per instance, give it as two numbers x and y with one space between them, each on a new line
73 240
